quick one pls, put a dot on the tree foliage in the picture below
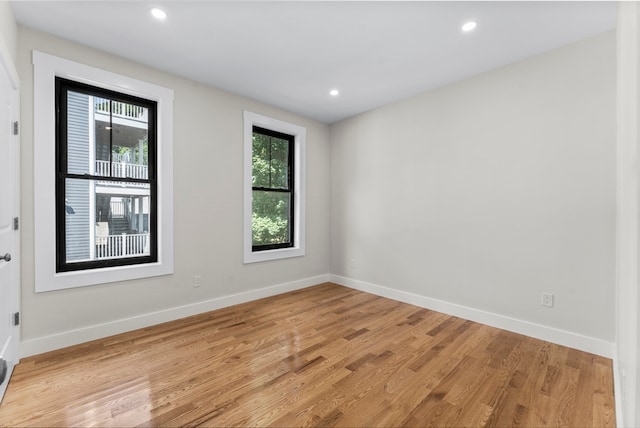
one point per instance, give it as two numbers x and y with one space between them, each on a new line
134 152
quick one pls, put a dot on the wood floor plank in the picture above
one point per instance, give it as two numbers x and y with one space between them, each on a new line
321 356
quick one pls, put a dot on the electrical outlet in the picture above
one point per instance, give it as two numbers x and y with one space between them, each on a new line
197 279
547 300
352 263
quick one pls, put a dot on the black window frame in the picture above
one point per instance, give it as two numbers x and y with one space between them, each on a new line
62 87
290 187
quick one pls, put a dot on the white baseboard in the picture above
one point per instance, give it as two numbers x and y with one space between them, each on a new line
549 334
99 331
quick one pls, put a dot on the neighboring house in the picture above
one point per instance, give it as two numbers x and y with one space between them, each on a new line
106 219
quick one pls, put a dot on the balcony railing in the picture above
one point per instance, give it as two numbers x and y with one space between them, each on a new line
122 170
129 170
127 111
119 246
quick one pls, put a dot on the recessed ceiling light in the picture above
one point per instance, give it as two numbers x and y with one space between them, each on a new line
334 92
159 14
469 26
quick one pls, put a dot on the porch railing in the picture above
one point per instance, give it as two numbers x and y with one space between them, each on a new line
119 246
120 109
121 170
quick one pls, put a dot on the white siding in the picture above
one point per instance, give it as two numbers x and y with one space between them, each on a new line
78 224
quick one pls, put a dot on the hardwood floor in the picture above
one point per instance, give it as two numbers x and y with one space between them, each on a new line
323 356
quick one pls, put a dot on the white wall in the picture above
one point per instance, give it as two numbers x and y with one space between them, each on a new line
208 149
8 28
487 192
628 242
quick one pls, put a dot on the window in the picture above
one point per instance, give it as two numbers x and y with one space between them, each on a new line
106 185
272 214
103 176
274 189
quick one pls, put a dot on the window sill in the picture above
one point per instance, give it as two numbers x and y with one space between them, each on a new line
277 254
81 278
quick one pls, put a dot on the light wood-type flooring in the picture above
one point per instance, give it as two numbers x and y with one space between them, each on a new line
322 356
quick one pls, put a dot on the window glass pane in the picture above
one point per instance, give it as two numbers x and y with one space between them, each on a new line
270 218
122 138
78 220
261 166
106 220
279 163
270 162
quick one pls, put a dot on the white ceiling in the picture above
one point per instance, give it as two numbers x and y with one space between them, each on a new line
290 54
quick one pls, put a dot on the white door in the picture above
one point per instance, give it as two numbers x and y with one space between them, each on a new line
9 235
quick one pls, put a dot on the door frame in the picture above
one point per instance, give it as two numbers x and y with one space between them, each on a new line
7 66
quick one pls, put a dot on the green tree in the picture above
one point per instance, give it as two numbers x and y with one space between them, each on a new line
135 152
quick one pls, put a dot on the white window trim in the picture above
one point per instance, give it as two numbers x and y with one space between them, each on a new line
46 68
300 135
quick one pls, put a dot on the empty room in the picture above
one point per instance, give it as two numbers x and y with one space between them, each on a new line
368 213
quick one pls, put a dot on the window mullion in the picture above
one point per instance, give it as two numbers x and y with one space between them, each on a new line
102 178
271 189
270 162
290 172
110 138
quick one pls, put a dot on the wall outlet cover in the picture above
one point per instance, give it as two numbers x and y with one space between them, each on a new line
547 300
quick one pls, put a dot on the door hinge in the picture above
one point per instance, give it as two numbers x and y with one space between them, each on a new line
16 128
16 318
16 223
